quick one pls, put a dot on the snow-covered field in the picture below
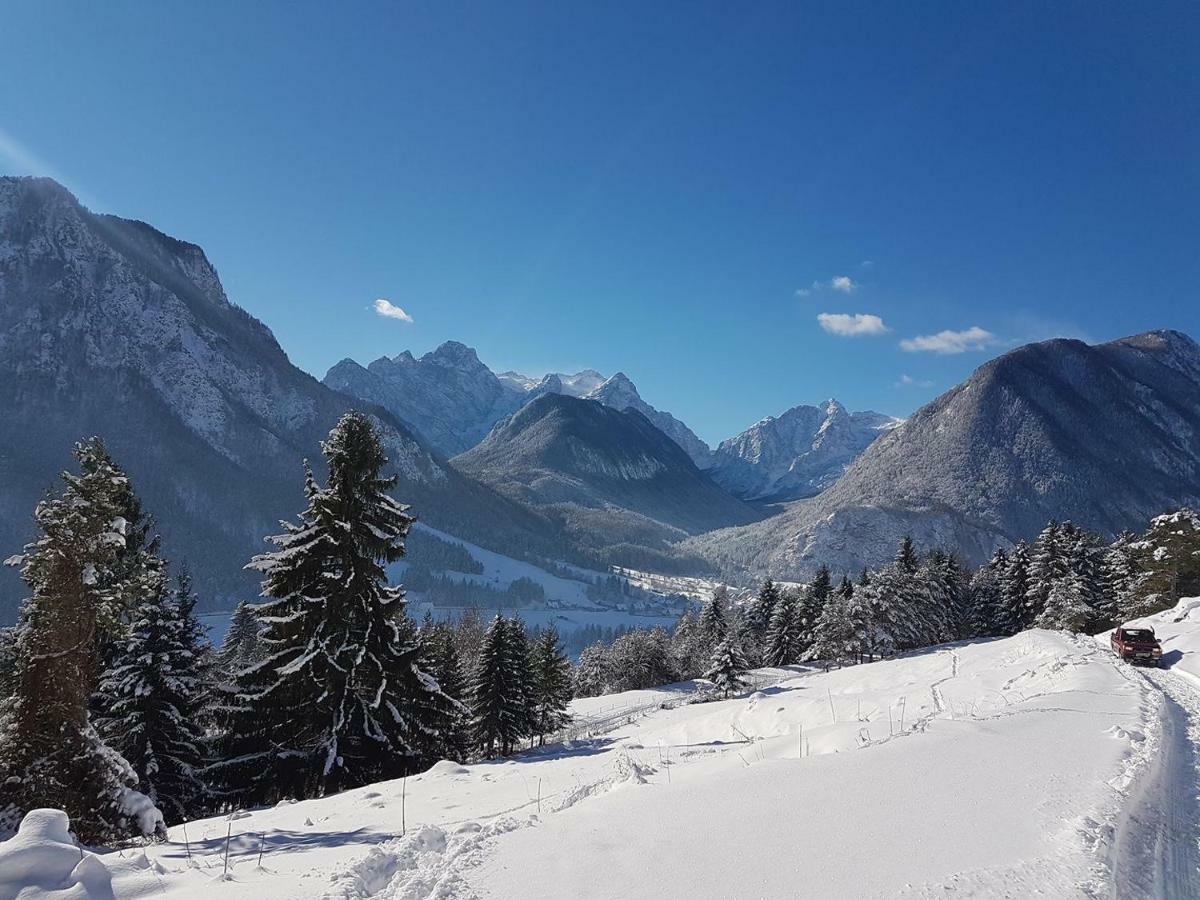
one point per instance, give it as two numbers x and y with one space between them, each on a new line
1030 766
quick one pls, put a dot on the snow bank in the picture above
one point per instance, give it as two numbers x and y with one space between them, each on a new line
983 769
42 860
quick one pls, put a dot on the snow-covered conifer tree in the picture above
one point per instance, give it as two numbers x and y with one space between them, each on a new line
714 622
1013 615
1065 609
552 684
155 691
726 669
496 693
591 676
784 644
50 753
339 698
1047 566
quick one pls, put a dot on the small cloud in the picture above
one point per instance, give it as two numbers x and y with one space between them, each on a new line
867 264
857 325
389 310
907 381
843 284
947 342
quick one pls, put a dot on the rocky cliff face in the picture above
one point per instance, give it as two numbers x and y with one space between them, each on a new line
1105 435
110 327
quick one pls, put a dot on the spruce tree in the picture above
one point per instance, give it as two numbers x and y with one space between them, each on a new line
339 700
1066 608
785 635
439 657
496 694
986 599
552 684
520 665
906 559
1047 566
714 622
834 635
155 692
758 617
1012 616
241 647
50 753
590 678
726 668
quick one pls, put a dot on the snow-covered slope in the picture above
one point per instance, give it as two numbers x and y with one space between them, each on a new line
1007 768
796 454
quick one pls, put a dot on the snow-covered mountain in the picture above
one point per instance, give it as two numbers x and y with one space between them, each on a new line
619 392
447 395
1106 436
110 327
796 454
453 400
611 476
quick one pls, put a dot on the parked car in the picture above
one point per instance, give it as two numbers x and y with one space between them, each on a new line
1137 645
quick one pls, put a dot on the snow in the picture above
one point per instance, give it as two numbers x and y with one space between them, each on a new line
1027 766
42 860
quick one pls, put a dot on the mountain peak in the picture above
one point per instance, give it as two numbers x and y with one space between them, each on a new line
454 353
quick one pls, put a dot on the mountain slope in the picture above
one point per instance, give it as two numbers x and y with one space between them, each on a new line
110 327
620 393
1106 436
797 454
610 475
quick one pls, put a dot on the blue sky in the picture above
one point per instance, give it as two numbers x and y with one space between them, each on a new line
675 190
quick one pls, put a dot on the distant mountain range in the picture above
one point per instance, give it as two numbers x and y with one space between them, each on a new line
110 327
453 400
1105 435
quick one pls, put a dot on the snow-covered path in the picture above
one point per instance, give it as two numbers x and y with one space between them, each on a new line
1157 852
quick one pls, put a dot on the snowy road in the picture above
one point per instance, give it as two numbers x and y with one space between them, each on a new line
1157 848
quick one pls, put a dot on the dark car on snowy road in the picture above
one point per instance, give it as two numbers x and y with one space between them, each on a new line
1137 645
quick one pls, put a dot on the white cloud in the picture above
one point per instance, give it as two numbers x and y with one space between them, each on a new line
857 325
389 310
908 381
946 342
843 284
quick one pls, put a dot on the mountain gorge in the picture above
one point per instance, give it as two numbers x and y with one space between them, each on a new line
1105 435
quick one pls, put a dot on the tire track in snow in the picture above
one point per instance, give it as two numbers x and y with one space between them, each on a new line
1156 848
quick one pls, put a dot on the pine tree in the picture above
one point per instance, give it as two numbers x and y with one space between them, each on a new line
714 624
1065 609
1123 578
50 753
906 557
241 647
758 618
1012 616
339 699
439 657
1047 566
590 678
521 666
784 637
726 669
986 598
155 691
1169 557
684 640
834 636
809 604
495 694
552 684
